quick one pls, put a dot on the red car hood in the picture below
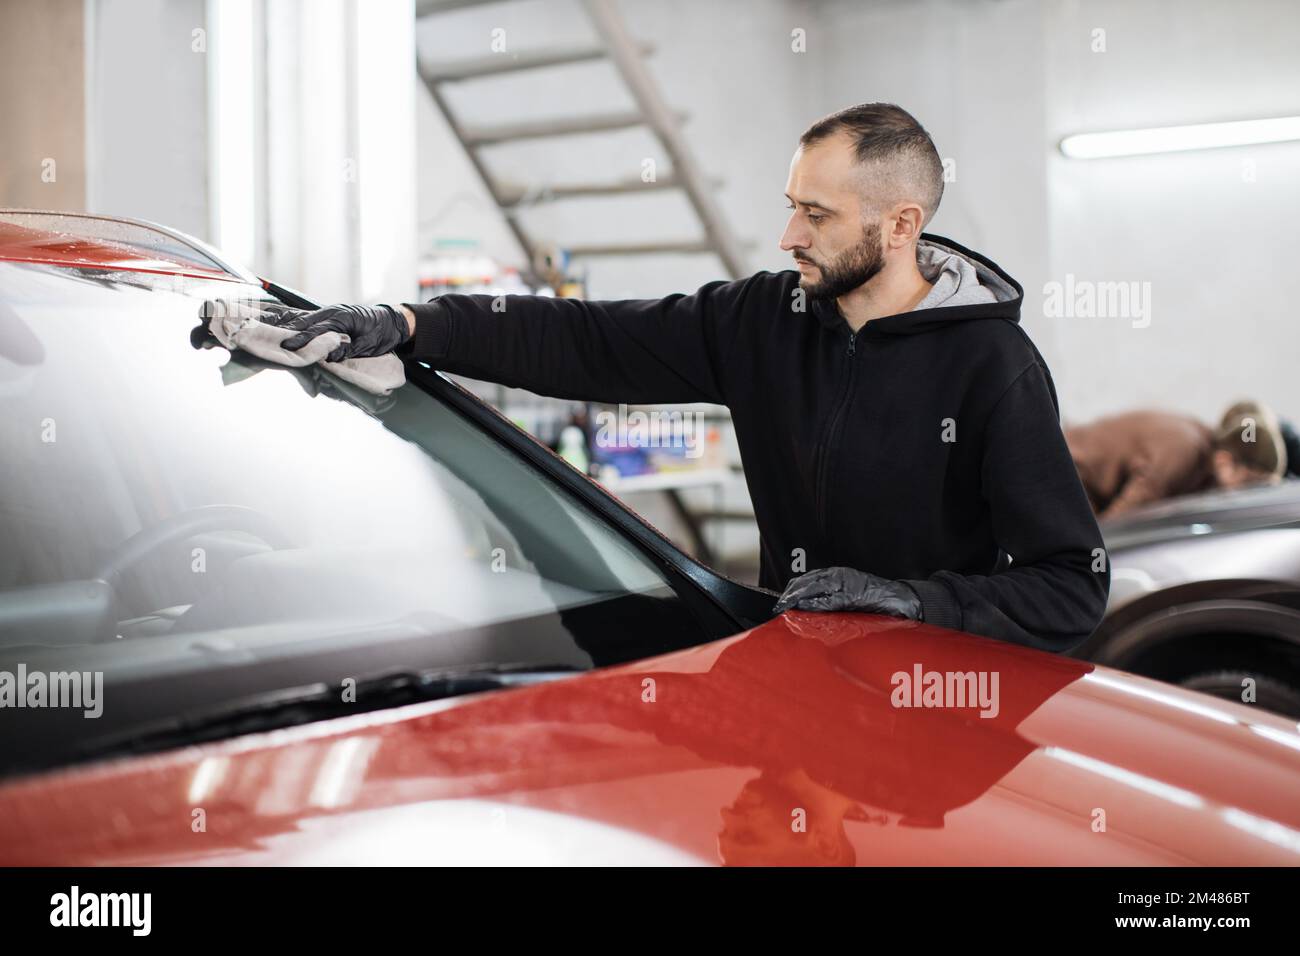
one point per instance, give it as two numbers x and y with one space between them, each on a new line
797 742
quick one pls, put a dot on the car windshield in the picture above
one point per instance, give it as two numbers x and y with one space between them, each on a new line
198 526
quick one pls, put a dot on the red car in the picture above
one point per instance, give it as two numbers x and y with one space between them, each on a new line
252 615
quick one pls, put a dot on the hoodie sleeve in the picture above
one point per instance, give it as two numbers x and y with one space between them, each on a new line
1054 593
634 351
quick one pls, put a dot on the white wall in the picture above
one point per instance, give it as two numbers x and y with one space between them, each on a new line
1218 250
329 122
146 102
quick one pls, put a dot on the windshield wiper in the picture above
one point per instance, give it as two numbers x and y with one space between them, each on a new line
289 296
290 707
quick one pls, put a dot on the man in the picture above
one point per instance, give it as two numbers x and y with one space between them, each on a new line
1140 457
899 430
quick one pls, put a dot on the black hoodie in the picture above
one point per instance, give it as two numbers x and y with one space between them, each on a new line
926 447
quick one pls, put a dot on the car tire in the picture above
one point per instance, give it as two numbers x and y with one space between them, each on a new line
1271 693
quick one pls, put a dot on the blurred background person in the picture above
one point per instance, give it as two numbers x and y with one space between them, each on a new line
1140 457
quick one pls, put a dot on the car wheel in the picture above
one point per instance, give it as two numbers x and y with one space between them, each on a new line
1270 693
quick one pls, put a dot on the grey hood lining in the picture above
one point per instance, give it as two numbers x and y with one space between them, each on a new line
958 279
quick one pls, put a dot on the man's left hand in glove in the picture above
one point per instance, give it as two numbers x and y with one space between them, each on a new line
845 589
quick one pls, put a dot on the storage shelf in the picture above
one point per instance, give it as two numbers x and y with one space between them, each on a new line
669 480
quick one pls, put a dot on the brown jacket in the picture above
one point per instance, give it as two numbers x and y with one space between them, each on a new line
1132 459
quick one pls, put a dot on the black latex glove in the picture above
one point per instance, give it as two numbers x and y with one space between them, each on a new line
844 589
374 330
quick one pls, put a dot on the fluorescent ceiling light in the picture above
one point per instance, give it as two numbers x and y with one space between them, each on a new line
1174 139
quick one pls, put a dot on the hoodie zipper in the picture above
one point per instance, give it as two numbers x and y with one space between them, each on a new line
823 475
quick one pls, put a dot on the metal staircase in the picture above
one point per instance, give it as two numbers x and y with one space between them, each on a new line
651 112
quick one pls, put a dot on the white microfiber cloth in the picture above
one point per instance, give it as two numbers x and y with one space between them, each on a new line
237 325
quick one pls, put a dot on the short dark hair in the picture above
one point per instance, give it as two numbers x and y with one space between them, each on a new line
888 135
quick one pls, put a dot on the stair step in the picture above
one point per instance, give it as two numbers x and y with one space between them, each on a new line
515 197
497 64
538 129
745 516
428 8
643 248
